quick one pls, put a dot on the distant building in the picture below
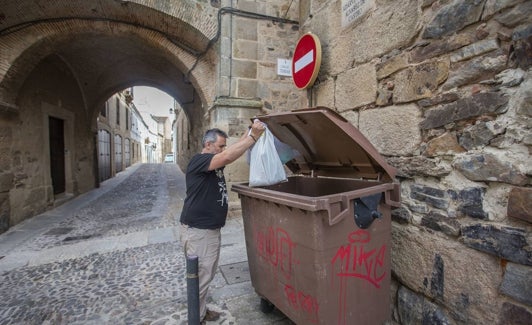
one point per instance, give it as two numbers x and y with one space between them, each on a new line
118 138
152 143
164 132
138 128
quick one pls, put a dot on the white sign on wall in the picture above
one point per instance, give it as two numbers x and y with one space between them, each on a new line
352 10
284 67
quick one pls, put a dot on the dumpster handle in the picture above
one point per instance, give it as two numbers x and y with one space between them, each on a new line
345 210
388 200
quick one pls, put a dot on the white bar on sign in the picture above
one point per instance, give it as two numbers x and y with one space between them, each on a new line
304 61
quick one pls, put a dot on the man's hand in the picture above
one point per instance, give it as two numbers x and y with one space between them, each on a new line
231 153
257 128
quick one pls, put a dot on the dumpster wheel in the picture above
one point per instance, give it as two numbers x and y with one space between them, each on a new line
266 306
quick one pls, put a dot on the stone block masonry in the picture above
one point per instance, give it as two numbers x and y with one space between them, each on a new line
442 89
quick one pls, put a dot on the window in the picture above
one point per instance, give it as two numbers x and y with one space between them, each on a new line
105 109
117 111
127 118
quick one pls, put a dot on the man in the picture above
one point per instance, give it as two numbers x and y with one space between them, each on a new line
205 207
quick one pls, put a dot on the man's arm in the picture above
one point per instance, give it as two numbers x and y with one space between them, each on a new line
236 150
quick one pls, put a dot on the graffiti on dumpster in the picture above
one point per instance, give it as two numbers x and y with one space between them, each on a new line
275 246
300 301
355 260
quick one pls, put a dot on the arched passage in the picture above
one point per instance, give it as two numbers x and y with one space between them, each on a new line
59 68
104 62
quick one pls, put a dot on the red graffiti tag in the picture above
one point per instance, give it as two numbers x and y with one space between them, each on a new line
276 247
300 301
365 264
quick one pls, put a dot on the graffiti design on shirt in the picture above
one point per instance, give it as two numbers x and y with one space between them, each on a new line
222 188
223 191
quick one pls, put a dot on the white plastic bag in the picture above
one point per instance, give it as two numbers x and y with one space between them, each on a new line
265 166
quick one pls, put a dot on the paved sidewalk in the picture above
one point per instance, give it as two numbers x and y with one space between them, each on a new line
112 256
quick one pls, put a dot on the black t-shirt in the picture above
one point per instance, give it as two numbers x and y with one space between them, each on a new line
206 203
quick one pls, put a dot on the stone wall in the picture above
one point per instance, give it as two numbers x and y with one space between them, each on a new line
443 90
30 188
249 48
6 176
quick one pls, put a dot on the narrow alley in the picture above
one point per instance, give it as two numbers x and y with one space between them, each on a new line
112 256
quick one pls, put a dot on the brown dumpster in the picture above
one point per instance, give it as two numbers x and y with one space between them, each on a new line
318 245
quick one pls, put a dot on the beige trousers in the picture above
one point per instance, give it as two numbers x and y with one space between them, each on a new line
204 243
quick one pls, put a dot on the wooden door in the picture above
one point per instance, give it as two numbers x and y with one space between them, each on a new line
57 154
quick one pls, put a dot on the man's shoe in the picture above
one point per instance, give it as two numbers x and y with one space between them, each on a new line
211 316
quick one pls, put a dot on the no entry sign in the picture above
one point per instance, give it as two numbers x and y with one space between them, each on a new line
306 61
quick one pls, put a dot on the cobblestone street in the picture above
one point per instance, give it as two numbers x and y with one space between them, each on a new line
111 256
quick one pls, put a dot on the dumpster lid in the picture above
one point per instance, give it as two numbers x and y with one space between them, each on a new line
328 145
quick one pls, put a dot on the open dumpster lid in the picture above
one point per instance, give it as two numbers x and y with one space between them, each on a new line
329 145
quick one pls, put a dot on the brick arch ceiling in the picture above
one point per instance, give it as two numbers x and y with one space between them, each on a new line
129 44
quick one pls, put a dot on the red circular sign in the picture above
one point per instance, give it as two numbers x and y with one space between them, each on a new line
306 61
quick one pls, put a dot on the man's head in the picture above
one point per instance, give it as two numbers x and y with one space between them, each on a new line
214 141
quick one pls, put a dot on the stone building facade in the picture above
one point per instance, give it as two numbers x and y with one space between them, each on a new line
442 88
118 135
164 132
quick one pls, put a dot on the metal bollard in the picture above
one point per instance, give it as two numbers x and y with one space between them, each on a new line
193 290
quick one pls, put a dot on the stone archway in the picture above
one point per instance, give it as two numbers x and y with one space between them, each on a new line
112 50
57 64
